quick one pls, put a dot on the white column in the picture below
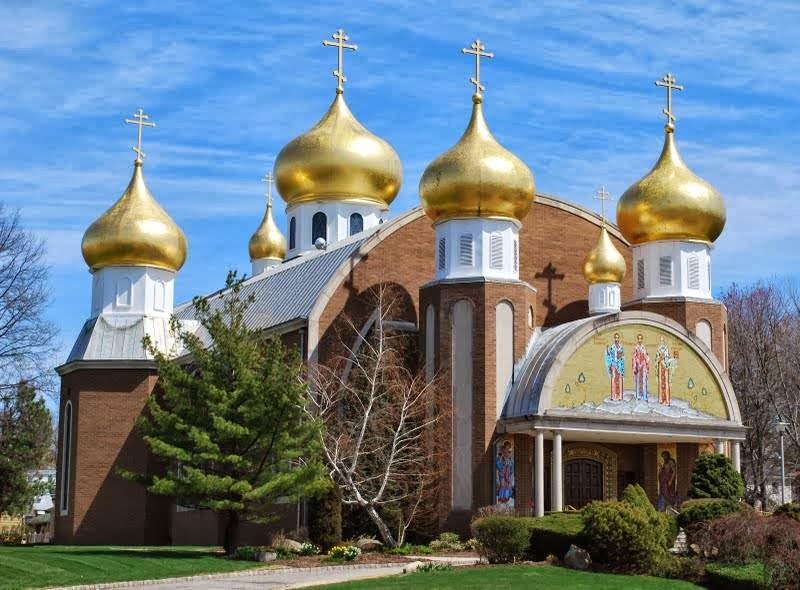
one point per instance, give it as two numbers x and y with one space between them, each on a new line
737 455
557 479
538 474
719 446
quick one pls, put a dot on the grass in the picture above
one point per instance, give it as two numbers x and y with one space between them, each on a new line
53 565
749 576
519 576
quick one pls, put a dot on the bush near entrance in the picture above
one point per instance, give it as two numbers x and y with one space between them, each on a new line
504 539
553 534
714 477
705 509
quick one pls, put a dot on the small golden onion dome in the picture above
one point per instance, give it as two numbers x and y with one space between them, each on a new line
477 177
135 231
268 241
338 160
604 263
671 203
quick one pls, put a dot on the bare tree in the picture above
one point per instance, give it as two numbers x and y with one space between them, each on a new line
379 419
26 336
763 346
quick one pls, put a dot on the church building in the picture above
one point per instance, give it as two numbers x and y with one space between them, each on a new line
579 356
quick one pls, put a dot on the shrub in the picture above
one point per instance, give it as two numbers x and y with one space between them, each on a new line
408 549
473 544
791 509
705 509
308 549
554 533
447 542
635 495
504 539
781 555
247 553
714 477
624 536
325 519
344 552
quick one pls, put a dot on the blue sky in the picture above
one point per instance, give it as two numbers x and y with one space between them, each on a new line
570 91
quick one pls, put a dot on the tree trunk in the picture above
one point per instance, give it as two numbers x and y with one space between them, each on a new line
386 534
231 532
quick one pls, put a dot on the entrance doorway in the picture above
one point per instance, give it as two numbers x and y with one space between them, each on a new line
583 482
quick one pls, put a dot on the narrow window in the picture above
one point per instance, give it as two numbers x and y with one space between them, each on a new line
465 250
319 226
442 253
292 232
159 296
640 274
496 251
66 452
665 270
694 271
124 294
356 223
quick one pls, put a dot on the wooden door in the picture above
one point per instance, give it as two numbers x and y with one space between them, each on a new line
583 482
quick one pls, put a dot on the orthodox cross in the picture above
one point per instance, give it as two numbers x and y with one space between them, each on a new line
140 118
602 195
669 82
269 180
340 38
477 49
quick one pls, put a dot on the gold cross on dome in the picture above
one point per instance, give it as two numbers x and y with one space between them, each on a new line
140 118
669 82
477 49
269 180
602 195
340 38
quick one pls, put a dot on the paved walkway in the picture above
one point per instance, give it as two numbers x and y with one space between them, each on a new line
268 579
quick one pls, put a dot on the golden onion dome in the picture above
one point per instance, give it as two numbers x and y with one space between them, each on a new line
604 263
338 160
135 231
671 203
477 177
267 242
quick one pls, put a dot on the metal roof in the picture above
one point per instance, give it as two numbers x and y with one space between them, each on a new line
288 291
102 338
524 396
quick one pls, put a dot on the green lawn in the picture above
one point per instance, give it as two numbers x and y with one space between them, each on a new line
41 566
519 576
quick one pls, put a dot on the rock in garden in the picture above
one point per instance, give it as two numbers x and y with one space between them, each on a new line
366 544
287 545
577 558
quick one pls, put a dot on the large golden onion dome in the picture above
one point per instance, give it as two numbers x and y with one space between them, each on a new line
671 203
604 263
338 160
267 242
477 177
135 231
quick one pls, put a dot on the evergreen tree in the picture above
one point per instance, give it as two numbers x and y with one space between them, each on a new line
25 438
229 424
714 477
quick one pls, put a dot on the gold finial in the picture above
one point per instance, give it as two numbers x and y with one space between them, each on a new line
478 50
269 180
602 195
140 118
340 43
669 82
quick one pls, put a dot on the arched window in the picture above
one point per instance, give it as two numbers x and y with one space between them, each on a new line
319 226
66 457
292 233
356 224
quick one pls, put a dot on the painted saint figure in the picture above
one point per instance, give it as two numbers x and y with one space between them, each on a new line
665 367
641 368
615 366
667 482
504 474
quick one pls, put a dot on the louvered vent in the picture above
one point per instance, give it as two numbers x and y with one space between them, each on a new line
640 274
465 250
442 253
665 270
496 250
694 272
